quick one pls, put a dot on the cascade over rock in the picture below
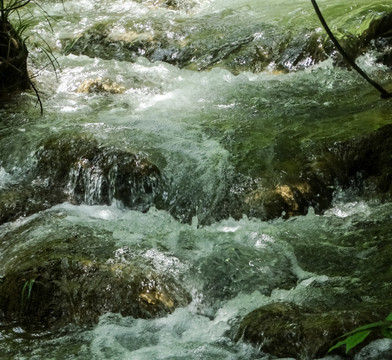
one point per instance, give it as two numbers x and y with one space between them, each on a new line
75 168
253 50
364 162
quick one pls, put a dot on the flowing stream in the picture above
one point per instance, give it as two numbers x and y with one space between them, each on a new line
212 131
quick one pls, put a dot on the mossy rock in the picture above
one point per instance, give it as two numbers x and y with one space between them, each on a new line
237 49
363 164
25 199
95 174
289 330
74 277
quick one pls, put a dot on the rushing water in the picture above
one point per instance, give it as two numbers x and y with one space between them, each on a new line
211 133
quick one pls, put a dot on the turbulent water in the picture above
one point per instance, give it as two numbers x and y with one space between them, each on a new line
210 132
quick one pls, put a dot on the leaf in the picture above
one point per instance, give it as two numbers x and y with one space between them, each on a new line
339 344
366 327
356 336
31 283
352 340
356 339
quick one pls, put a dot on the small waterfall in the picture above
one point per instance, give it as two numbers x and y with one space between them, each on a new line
113 176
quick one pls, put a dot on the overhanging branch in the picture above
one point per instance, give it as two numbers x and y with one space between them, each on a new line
384 93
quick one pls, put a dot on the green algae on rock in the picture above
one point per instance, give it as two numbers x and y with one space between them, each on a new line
74 276
289 330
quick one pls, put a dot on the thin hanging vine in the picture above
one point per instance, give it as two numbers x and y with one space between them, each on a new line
384 93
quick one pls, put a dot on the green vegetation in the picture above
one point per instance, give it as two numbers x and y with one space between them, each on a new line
358 335
7 7
13 50
14 27
26 294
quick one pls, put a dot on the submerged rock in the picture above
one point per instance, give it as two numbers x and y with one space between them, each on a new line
252 270
363 163
380 349
255 47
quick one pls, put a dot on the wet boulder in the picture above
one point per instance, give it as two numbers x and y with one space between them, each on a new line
256 47
68 290
288 199
76 275
362 164
74 167
289 330
95 174
26 199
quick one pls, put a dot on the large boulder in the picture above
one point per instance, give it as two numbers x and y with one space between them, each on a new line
75 275
75 168
95 174
362 164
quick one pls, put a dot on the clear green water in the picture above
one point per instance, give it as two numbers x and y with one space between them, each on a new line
204 129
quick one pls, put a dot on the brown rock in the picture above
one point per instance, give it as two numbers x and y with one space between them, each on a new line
100 86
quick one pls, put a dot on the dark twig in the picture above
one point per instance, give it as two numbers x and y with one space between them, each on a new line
384 93
12 8
38 97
